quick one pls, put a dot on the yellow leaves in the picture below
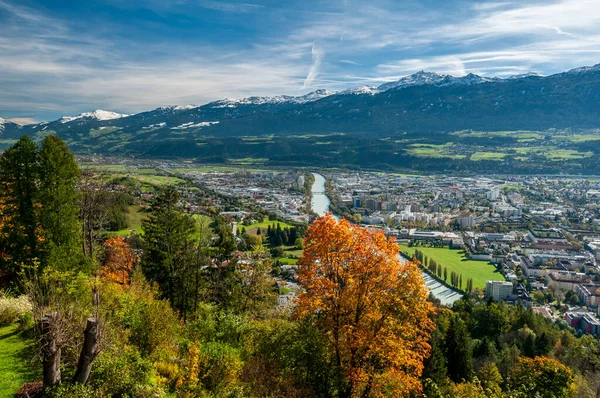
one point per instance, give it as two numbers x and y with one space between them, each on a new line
372 308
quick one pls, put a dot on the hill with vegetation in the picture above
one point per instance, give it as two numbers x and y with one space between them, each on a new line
188 309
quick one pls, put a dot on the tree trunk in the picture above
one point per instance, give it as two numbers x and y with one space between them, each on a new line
50 351
88 352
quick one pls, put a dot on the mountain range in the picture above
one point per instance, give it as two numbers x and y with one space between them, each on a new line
422 103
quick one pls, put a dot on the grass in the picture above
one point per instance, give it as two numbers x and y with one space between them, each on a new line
566 154
454 260
15 365
134 220
158 180
289 261
487 156
578 138
433 151
265 224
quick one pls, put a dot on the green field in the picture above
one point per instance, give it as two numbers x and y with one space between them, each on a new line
433 151
134 216
454 260
265 224
487 156
16 365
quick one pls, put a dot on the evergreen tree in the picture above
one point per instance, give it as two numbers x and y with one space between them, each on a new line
59 221
445 274
285 238
293 235
167 234
19 175
435 366
458 351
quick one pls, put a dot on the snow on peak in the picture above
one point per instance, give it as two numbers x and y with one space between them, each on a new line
416 79
178 107
361 90
524 75
467 80
279 99
98 114
585 69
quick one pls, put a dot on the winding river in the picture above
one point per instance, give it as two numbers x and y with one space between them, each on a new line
320 205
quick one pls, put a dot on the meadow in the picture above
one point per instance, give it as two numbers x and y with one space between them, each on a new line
16 360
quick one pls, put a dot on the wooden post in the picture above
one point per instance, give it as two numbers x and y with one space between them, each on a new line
88 352
50 350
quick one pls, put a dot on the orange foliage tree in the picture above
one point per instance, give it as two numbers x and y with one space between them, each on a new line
372 308
119 259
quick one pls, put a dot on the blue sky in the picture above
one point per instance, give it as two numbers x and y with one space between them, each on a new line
66 57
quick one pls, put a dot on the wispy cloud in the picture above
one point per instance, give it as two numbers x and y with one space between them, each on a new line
54 63
230 7
317 56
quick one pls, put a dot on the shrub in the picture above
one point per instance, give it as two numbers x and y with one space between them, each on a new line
13 308
121 371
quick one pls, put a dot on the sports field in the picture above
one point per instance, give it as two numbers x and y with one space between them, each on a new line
454 260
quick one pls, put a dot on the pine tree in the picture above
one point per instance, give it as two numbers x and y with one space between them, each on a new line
458 351
167 234
19 175
59 220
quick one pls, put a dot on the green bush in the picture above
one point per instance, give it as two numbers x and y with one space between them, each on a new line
121 371
73 391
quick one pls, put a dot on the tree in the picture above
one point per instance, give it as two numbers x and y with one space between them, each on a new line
168 236
445 274
372 308
458 351
19 176
59 221
540 376
118 261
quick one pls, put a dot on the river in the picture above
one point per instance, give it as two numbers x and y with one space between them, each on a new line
319 202
320 205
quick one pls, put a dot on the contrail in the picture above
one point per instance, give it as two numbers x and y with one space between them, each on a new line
317 56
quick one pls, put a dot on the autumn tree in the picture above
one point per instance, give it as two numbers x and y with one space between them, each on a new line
371 307
119 259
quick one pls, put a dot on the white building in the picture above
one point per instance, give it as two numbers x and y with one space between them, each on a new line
498 290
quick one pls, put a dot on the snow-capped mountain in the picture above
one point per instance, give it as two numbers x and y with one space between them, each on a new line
361 90
524 76
279 99
424 101
98 114
416 79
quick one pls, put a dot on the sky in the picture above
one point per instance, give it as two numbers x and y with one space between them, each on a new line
71 56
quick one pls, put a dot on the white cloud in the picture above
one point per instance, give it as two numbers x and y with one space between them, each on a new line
48 65
317 56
